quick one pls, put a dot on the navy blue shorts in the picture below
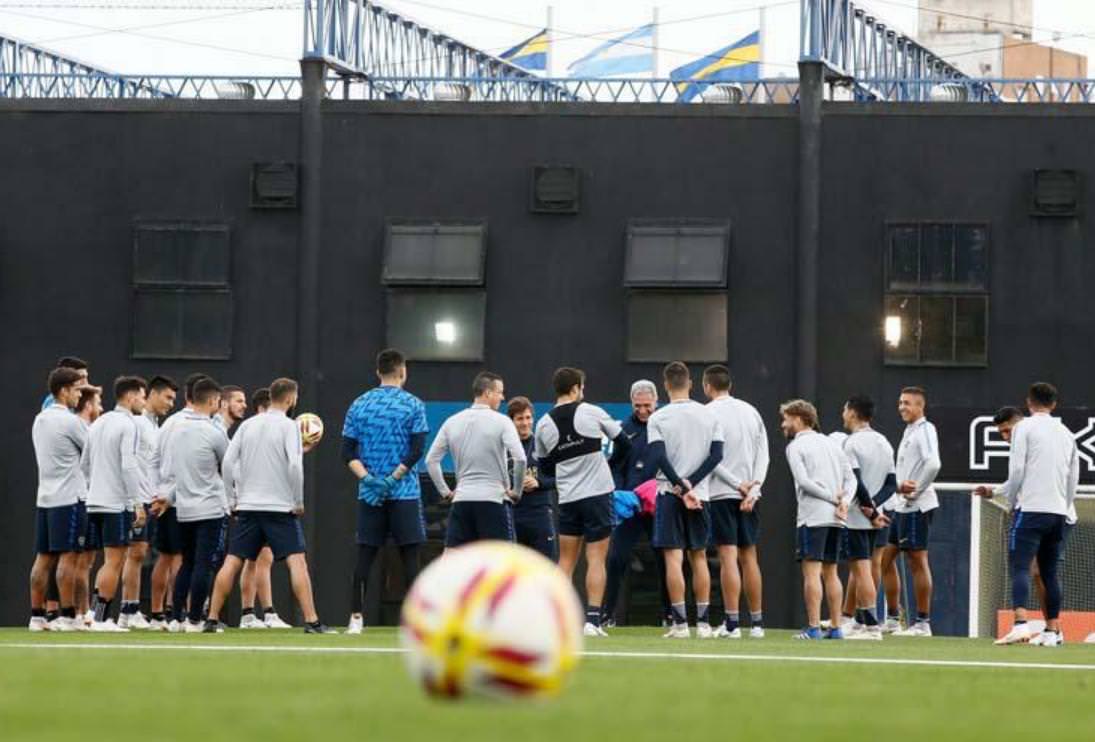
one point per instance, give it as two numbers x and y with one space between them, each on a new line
108 529
591 517
254 529
677 527
146 534
730 526
168 537
858 543
818 544
534 527
478 520
60 530
884 535
403 520
1034 534
911 531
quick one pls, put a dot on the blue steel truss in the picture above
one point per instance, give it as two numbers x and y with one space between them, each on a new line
501 90
362 39
28 71
470 89
855 45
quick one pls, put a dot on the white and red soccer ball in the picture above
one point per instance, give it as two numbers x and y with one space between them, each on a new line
311 428
491 618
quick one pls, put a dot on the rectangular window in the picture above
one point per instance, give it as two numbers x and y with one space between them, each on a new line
936 330
182 298
182 323
433 253
676 326
181 255
668 255
937 257
437 324
937 283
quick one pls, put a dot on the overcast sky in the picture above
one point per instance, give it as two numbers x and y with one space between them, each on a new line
264 37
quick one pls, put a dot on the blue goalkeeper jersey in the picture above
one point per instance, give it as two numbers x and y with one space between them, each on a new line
382 421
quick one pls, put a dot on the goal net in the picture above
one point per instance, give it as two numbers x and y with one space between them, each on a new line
990 575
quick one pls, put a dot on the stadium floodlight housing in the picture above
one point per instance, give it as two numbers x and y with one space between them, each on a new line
235 90
725 93
949 92
893 331
445 332
452 91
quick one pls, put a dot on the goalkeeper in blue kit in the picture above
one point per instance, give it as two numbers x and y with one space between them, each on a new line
383 438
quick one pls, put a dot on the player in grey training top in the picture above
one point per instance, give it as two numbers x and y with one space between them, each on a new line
735 488
685 445
871 458
159 401
264 480
114 489
568 446
59 440
479 438
192 456
917 466
1043 474
824 483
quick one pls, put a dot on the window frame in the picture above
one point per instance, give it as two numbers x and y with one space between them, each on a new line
180 225
675 292
436 224
676 226
138 289
952 292
480 291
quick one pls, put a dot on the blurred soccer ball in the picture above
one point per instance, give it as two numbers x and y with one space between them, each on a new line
311 428
491 618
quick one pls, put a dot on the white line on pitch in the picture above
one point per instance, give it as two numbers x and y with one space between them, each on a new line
621 655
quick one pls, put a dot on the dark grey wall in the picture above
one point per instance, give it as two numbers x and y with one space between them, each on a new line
77 176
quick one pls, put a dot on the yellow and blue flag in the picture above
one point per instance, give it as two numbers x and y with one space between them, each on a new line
530 53
739 61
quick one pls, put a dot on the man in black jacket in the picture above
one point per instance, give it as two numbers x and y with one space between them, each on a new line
534 513
630 472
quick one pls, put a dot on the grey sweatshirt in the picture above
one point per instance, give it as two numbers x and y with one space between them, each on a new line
479 439
264 466
59 439
823 478
111 457
192 457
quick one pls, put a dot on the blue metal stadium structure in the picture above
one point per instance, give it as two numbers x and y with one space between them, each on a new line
372 53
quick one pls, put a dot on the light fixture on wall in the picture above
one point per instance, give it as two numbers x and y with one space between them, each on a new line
445 332
893 330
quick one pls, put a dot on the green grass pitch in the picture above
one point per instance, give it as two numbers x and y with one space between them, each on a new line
753 690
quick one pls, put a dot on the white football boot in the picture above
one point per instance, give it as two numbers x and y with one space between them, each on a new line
678 631
251 621
273 621
1019 634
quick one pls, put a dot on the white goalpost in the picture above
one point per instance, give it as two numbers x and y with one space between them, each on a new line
989 578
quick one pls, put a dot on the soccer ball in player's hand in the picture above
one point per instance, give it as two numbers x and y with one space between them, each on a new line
491 618
311 429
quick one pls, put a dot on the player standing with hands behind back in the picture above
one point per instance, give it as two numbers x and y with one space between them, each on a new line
824 482
686 445
383 438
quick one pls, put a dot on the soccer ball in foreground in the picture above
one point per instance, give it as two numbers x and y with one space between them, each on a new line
311 428
491 618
